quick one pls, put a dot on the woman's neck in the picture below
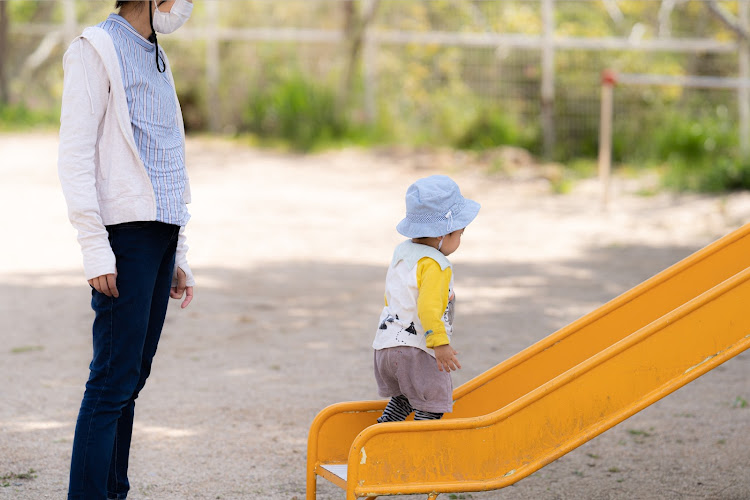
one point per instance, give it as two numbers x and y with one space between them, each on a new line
136 13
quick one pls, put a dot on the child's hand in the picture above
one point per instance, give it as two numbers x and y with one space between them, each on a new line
446 358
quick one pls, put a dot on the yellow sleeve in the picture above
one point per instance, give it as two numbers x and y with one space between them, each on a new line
434 286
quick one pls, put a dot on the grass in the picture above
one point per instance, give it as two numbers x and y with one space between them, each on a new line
574 170
26 348
561 186
647 192
638 432
739 402
6 479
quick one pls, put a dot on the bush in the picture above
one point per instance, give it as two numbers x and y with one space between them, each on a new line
697 153
708 176
694 140
296 110
18 116
492 128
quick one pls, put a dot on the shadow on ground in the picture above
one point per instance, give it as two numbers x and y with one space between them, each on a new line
261 351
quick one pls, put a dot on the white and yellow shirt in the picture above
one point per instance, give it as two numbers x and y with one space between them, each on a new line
419 300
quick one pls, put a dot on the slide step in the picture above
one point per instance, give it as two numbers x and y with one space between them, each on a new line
338 470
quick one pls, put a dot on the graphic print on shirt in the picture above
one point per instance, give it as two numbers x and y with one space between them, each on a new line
450 310
403 334
400 338
389 319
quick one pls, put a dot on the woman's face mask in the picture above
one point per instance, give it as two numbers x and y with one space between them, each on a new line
167 22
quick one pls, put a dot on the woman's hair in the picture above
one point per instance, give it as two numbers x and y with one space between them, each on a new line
120 3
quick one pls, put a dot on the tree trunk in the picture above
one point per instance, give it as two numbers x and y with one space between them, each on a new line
4 49
355 26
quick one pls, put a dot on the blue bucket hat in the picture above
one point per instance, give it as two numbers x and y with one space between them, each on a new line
435 207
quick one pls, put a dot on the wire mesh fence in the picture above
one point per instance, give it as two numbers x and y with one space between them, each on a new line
425 71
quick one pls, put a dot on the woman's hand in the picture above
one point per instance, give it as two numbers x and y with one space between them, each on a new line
106 284
178 291
446 358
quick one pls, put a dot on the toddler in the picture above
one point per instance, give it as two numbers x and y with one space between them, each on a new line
413 355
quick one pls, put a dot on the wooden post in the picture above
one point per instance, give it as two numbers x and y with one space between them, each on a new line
70 25
548 77
743 91
370 76
605 133
212 65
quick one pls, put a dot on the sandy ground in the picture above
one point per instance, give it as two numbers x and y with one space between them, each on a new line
290 253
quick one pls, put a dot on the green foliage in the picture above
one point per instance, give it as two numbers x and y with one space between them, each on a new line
563 179
693 140
699 154
299 111
718 175
492 128
24 11
430 94
20 117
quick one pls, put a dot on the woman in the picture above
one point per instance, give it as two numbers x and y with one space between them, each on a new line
122 169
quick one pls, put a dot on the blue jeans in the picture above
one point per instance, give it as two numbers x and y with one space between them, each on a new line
126 332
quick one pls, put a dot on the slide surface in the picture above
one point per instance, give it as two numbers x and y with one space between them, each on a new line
555 395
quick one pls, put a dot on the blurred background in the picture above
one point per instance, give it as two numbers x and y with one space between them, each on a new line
307 120
465 74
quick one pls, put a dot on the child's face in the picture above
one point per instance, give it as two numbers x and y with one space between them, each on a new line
451 242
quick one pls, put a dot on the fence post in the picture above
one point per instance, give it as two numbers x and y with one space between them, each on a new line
548 77
369 61
70 26
212 65
743 91
370 74
609 78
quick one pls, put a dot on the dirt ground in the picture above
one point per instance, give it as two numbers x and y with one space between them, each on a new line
290 254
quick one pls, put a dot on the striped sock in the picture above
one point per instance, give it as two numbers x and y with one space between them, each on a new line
397 410
426 415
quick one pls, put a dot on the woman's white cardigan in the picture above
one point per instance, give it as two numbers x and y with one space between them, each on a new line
103 178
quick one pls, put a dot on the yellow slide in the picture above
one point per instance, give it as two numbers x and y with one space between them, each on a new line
555 395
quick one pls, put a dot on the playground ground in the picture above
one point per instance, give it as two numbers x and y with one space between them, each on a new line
289 252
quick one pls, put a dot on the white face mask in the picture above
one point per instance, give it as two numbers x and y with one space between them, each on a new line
167 22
